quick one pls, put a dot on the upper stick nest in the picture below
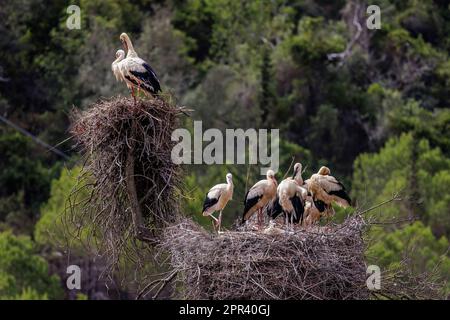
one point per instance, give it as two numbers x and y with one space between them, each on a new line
131 178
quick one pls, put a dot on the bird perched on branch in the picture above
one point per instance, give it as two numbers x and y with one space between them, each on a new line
259 196
290 198
137 73
326 189
217 198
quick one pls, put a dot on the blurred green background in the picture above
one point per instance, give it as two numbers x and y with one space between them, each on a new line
379 118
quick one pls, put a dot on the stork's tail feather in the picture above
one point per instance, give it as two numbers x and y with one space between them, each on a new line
249 203
207 204
299 209
274 208
344 196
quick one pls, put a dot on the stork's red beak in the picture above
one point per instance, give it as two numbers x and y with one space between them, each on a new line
124 43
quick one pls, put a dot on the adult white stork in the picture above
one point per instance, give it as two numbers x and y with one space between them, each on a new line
137 73
326 189
217 198
120 55
290 198
259 196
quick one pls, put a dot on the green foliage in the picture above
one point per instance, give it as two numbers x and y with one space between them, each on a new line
54 228
412 167
315 40
25 181
23 274
417 245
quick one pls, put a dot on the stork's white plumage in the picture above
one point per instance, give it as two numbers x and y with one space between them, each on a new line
115 66
137 73
259 196
217 198
326 189
297 176
290 198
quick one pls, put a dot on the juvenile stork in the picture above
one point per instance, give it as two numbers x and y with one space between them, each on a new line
326 189
217 198
290 198
137 73
312 214
259 196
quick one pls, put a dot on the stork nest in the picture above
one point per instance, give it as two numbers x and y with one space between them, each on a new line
128 171
313 263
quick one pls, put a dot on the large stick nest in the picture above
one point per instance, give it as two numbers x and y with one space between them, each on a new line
316 264
325 262
132 181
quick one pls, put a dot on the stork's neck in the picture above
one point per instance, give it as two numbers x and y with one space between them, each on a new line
298 178
118 60
131 53
273 182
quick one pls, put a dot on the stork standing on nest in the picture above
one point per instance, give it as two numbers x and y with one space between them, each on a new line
290 198
217 198
120 55
259 196
137 73
326 189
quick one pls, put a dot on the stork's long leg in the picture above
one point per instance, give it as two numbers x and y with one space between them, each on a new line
215 219
286 220
259 219
219 222
133 95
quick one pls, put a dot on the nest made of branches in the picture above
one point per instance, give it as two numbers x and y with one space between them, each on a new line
315 264
131 180
312 263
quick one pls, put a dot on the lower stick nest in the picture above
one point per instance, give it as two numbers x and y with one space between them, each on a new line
315 264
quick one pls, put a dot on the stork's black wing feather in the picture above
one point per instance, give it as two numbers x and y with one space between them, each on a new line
249 203
320 205
297 203
341 194
209 202
150 79
274 209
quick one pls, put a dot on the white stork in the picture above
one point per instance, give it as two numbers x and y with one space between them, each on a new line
259 196
137 73
290 198
326 189
217 198
120 55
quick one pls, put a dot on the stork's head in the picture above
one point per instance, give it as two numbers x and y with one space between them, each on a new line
324 171
229 178
271 175
297 169
125 39
120 54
